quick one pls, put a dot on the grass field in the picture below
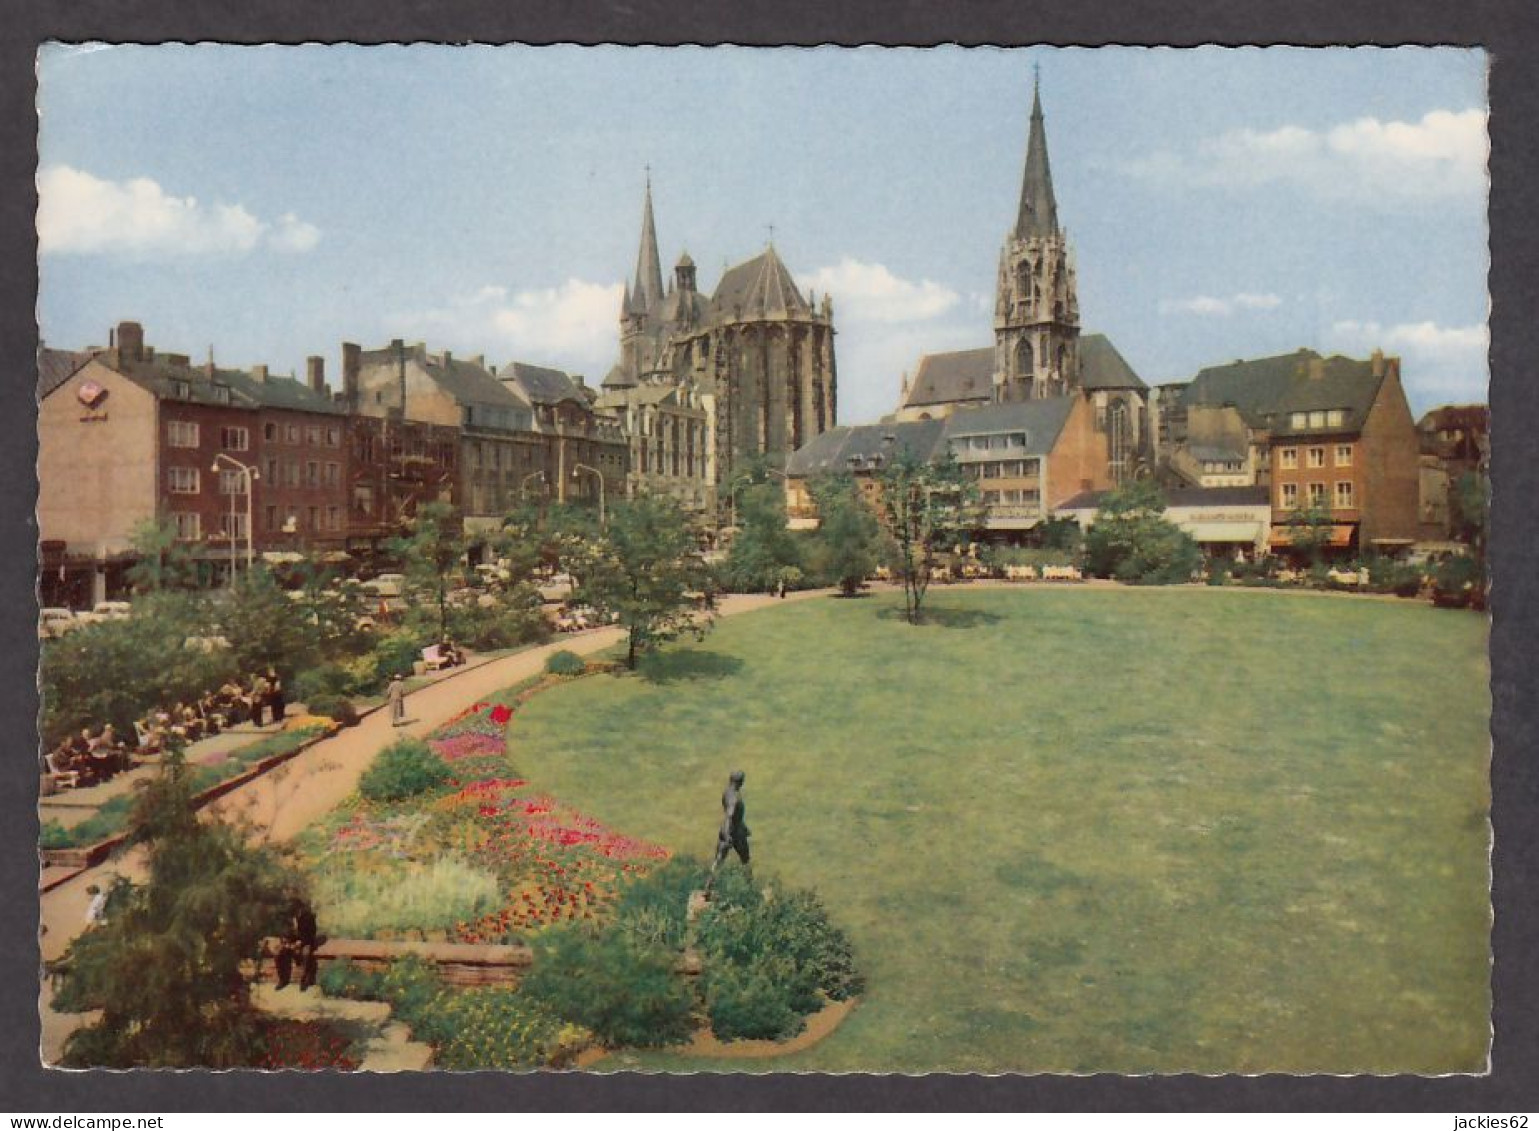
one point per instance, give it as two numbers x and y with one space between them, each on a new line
1131 831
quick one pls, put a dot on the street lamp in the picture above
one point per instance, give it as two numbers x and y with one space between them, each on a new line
576 467
523 487
251 475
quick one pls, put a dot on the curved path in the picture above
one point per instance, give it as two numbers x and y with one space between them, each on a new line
283 803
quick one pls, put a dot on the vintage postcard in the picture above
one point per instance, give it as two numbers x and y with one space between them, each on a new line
764 560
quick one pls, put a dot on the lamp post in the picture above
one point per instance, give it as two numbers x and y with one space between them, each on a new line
576 467
251 475
523 486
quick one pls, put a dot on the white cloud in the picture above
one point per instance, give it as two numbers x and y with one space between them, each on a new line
1367 160
574 325
1438 363
869 292
1221 307
80 214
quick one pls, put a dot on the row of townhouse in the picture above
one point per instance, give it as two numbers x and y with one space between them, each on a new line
245 462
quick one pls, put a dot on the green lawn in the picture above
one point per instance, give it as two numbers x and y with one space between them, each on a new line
1077 831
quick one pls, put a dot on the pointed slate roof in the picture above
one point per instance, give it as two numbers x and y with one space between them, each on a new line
949 378
1102 367
1039 210
648 291
541 385
762 286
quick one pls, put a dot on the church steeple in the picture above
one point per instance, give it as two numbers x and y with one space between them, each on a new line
647 294
1038 215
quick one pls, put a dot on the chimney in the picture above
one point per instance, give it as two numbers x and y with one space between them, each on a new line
259 372
479 361
352 363
1316 368
315 374
1377 362
448 359
131 341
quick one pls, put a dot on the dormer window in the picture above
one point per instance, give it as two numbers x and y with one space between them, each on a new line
221 394
181 390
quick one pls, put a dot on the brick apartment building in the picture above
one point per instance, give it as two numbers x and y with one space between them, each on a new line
129 435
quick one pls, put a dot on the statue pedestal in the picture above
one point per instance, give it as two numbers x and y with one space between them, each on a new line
697 903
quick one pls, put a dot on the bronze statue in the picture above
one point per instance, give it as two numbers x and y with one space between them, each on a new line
733 834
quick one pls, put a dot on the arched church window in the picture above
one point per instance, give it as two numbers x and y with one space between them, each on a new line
1119 440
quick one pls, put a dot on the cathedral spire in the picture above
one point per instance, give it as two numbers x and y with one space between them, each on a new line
1039 211
648 292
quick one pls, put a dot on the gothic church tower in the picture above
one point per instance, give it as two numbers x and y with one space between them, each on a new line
1036 312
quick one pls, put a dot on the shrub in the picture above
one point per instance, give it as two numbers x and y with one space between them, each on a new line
334 707
358 903
1458 583
565 663
499 1028
655 907
395 655
345 978
322 682
750 1002
794 927
624 992
1219 570
403 769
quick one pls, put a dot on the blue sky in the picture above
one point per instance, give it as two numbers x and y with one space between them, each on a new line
275 201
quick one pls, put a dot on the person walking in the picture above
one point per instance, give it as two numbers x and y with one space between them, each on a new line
397 697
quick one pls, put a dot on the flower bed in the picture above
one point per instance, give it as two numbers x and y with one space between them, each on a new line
546 862
307 1045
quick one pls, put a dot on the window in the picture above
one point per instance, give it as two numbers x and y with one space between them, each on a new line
365 448
272 517
333 436
1298 420
1343 455
270 432
333 518
234 439
312 475
1336 417
231 482
188 526
182 433
991 471
1288 496
221 394
313 515
232 525
1032 468
291 433
1288 458
182 480
313 435
1317 494
182 391
1316 457
291 472
1344 496
1018 439
272 470
333 474
363 499
1317 419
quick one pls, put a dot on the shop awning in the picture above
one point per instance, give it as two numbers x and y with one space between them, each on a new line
1244 533
1341 535
282 556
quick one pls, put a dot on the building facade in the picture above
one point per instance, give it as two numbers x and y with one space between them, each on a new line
586 454
745 372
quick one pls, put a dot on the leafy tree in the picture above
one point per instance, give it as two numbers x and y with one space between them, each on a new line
1469 510
763 547
1133 541
1309 531
431 551
849 537
265 626
928 507
162 561
646 571
168 968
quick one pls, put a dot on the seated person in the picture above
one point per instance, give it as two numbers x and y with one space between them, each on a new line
191 721
451 655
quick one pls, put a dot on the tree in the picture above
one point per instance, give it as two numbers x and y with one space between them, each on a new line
646 572
1468 511
1309 530
169 967
265 627
1133 541
763 549
849 537
430 551
162 560
927 507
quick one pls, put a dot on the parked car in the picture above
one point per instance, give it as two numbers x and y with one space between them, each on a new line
53 623
111 610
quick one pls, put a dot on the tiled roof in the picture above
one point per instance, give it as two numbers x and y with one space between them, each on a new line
541 385
1102 367
1268 389
1183 497
834 451
1042 421
54 367
762 286
168 376
1215 453
465 381
947 378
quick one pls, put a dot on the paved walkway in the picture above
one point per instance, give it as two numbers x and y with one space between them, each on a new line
284 802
